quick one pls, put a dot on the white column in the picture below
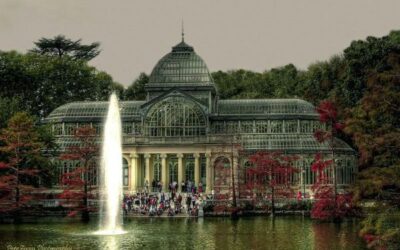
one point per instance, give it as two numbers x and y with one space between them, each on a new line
208 173
180 171
133 175
147 166
164 173
139 172
196 169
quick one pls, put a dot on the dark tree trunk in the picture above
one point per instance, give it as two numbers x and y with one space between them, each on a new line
17 212
85 212
272 202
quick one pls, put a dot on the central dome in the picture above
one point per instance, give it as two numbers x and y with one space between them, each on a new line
182 66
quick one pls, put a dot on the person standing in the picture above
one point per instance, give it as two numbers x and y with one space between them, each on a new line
159 184
200 187
188 202
146 186
183 186
153 185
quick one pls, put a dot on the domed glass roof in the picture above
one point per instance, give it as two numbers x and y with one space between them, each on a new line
182 66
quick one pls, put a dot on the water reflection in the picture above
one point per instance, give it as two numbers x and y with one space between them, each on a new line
342 235
110 242
178 233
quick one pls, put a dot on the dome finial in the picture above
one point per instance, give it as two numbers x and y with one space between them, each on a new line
183 33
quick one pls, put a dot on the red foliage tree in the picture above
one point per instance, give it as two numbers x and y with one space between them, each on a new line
20 167
271 172
328 203
76 183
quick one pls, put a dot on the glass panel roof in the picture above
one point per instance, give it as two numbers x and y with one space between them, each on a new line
265 106
289 142
129 109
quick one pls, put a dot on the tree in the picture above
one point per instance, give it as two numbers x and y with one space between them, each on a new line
8 107
77 189
43 83
21 150
136 90
61 46
328 205
374 126
272 172
284 81
321 80
225 171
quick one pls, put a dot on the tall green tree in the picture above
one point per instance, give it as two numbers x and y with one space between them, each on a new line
363 57
136 90
43 83
8 107
374 126
60 46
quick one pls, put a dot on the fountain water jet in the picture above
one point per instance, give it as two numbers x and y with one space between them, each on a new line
111 173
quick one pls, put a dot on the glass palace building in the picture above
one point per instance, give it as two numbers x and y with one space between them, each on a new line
183 130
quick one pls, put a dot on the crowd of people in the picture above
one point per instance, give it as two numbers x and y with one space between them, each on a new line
155 202
186 186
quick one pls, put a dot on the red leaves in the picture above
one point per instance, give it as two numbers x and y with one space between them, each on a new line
338 126
326 207
71 195
72 213
321 135
77 192
327 111
271 170
87 147
21 148
319 164
4 165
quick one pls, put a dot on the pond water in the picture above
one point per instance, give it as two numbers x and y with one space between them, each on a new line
187 233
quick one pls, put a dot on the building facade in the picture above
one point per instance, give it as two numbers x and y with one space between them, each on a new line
184 131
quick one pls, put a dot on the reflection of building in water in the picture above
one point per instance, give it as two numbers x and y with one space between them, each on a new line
184 131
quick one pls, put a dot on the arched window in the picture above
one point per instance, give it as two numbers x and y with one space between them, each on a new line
247 177
222 172
189 170
175 116
203 170
157 170
173 170
125 172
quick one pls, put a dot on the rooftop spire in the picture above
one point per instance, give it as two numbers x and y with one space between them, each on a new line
183 32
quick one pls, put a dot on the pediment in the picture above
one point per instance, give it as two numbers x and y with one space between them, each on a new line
173 93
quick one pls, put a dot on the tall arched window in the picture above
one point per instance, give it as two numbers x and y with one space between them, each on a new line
175 116
222 172
157 170
189 168
173 170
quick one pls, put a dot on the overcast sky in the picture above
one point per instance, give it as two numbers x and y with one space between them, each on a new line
227 34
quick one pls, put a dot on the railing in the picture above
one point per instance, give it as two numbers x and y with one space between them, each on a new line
49 203
181 139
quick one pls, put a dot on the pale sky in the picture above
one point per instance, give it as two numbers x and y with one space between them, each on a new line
227 34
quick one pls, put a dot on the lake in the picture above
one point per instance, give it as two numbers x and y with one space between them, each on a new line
288 232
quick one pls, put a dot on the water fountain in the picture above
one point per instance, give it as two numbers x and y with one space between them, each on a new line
111 173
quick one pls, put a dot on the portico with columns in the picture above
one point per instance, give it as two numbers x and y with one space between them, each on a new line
167 165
